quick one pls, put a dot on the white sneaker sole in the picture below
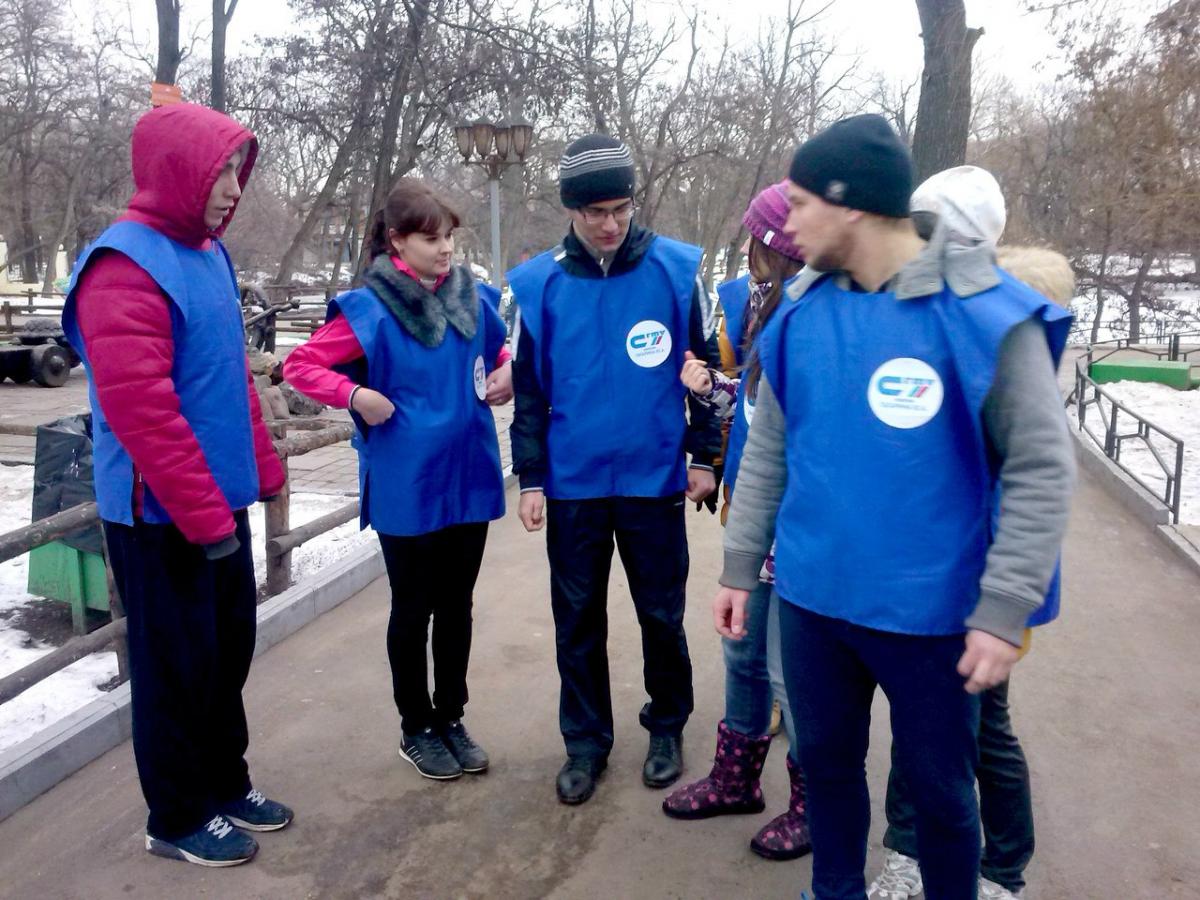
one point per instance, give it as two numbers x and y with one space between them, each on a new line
408 759
170 851
250 826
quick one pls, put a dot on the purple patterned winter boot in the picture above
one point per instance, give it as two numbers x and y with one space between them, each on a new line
732 785
786 836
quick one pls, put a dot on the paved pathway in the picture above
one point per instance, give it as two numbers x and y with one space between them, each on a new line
1105 704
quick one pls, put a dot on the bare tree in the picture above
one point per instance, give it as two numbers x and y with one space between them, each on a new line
169 54
944 110
221 16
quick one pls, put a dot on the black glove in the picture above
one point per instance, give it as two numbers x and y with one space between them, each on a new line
221 549
713 499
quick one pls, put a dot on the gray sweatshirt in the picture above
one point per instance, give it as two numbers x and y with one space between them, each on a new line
1026 426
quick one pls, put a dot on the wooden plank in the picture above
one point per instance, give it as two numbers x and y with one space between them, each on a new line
298 444
56 660
285 543
14 543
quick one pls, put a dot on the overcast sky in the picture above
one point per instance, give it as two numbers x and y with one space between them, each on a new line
886 32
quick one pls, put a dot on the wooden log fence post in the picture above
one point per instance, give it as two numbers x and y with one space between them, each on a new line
277 516
116 609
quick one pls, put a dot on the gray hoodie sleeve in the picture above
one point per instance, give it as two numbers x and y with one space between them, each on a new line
1026 425
762 477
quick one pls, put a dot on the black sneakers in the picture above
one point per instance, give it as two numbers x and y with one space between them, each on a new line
254 812
217 844
462 746
430 756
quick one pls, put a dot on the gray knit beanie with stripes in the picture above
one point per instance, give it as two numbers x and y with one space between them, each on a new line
593 169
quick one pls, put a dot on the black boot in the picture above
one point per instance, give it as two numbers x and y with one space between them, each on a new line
577 778
664 761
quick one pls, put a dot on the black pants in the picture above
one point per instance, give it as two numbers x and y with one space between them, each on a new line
191 639
832 668
431 575
1005 801
652 541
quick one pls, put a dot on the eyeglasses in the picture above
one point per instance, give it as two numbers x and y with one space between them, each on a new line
595 216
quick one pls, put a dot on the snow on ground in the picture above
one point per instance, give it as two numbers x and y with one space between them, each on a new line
1177 310
1177 412
311 557
65 691
77 685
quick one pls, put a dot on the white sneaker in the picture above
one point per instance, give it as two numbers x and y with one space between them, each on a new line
900 878
989 890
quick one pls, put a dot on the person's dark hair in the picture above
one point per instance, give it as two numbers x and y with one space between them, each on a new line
781 268
411 208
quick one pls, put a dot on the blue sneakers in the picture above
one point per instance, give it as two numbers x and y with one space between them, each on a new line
254 812
217 844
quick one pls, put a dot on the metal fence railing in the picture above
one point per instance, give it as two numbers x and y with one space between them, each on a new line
1088 395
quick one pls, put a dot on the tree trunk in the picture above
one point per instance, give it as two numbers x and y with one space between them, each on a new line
220 19
418 16
944 110
1135 298
1103 273
64 229
169 55
347 235
337 171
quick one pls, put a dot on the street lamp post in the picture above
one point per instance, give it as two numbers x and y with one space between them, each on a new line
490 146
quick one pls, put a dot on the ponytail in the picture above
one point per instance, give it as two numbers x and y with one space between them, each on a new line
782 268
378 236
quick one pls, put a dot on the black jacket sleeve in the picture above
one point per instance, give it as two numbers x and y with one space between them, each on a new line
531 416
703 439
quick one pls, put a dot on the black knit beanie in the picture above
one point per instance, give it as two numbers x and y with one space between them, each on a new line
593 169
859 162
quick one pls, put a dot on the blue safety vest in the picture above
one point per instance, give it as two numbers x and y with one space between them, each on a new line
734 297
436 461
608 353
208 368
889 508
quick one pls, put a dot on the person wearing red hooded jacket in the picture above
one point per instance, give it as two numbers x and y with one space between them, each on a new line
180 451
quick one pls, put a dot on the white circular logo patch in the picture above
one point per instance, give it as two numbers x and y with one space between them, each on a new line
648 343
905 392
480 379
748 410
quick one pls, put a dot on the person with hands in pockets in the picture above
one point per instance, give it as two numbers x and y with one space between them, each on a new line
180 452
417 354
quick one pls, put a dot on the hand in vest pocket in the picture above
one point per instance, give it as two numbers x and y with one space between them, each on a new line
500 385
372 406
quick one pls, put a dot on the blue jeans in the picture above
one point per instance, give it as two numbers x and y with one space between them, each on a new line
832 668
1005 802
754 671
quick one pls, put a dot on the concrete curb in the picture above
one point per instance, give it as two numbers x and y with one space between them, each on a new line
1131 495
35 765
1184 548
1135 498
